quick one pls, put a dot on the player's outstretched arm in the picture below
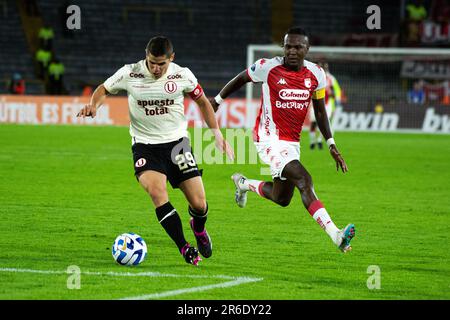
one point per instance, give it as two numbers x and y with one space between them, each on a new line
97 99
324 126
232 86
210 119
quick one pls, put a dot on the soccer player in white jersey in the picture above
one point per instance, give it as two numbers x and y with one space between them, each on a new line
158 129
289 84
332 100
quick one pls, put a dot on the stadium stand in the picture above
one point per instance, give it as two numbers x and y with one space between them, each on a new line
14 53
199 37
209 37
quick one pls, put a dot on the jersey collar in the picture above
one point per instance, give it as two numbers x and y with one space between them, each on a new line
148 74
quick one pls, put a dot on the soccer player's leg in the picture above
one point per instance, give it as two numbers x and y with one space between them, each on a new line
154 183
183 173
279 191
299 176
312 129
198 210
276 154
151 172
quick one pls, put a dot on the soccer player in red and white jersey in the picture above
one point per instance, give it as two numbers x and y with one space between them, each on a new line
289 85
160 144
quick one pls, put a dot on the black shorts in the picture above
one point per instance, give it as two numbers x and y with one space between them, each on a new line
173 159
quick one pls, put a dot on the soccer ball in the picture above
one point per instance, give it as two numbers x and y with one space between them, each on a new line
129 249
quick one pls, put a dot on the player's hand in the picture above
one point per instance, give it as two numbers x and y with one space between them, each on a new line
338 158
214 104
223 144
88 110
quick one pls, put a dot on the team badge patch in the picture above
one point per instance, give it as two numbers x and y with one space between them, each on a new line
170 87
308 82
140 163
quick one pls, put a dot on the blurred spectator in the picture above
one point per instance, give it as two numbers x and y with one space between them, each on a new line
45 36
378 107
435 91
55 77
417 94
43 58
440 11
416 13
17 84
87 91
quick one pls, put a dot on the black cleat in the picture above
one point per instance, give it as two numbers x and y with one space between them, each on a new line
203 241
319 145
190 254
312 146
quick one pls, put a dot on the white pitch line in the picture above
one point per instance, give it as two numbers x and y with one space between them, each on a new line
238 281
124 274
235 281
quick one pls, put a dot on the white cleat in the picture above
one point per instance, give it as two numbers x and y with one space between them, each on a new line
241 190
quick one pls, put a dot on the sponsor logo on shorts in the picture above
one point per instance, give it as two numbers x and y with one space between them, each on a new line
284 152
140 163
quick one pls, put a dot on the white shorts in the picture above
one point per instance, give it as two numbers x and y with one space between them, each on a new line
277 154
312 116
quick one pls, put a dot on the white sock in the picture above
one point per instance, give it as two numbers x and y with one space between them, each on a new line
312 137
320 214
319 139
255 186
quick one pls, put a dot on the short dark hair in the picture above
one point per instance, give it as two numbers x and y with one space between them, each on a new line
297 30
159 46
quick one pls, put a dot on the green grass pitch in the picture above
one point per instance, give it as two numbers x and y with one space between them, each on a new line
66 192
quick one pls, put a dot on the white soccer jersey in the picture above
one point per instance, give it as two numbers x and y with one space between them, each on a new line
156 106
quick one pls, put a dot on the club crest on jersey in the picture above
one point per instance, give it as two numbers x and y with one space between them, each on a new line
170 87
308 82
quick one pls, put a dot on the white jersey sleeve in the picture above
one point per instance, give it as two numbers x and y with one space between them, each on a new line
193 82
192 88
259 70
321 78
118 81
319 73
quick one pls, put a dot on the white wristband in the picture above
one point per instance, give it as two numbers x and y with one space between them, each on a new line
330 142
218 99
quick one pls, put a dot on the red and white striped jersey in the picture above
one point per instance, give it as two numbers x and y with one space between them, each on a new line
286 96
